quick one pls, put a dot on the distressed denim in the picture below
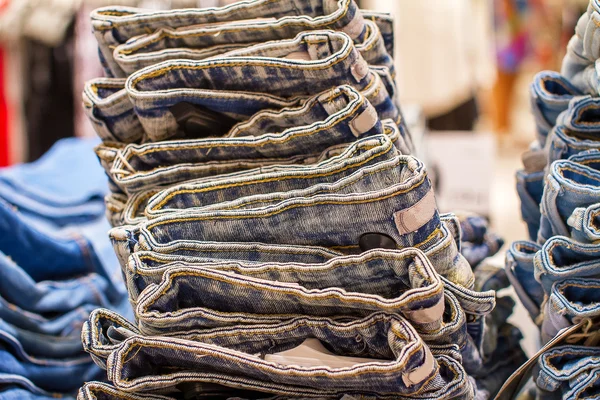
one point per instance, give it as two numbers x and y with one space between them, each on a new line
110 111
42 197
585 224
416 222
550 95
116 25
227 187
405 283
104 391
45 296
476 242
243 82
520 271
569 185
506 358
563 367
148 267
198 43
577 129
570 300
562 258
336 117
406 367
530 188
587 386
364 179
16 387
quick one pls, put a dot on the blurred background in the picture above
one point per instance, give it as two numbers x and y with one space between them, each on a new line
463 70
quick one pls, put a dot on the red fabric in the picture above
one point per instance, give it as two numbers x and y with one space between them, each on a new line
4 114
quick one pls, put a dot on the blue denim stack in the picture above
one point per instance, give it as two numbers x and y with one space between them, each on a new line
556 273
276 238
56 267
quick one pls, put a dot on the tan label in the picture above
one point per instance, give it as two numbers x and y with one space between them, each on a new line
412 218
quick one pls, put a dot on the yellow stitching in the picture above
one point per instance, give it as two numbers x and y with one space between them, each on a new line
279 178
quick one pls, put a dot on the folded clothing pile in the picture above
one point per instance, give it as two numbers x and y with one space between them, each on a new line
276 237
556 273
56 267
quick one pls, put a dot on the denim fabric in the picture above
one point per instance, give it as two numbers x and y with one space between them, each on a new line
570 298
110 111
285 18
227 187
16 387
198 43
582 50
336 117
390 211
405 365
103 391
562 367
243 82
562 258
403 282
588 386
584 224
144 268
550 95
44 190
569 185
530 187
38 345
577 129
46 296
521 274
476 242
51 257
506 358
59 376
64 324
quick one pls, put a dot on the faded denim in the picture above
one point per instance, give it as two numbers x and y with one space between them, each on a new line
409 365
115 25
300 67
520 271
550 95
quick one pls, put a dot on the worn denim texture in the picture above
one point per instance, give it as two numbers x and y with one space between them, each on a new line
407 365
576 130
143 167
562 368
227 187
521 274
569 185
281 18
570 300
584 224
242 82
550 95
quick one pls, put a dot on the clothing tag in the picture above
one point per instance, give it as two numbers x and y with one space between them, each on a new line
534 160
365 121
414 217
515 382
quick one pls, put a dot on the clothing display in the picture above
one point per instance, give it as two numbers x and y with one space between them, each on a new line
57 266
276 237
555 274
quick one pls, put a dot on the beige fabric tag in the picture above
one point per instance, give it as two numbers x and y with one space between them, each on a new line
414 217
364 121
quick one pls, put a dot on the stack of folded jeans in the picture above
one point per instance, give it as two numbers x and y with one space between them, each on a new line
56 267
276 238
556 274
